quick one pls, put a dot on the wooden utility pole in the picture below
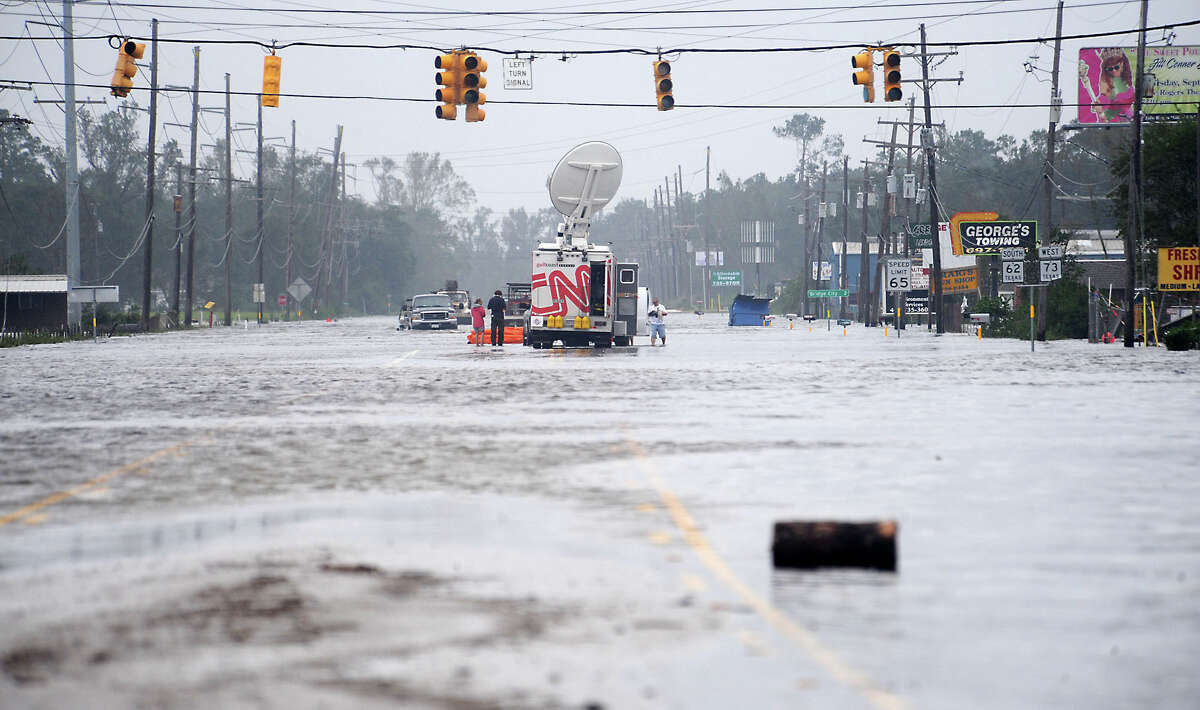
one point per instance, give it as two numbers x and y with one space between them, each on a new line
228 209
1047 225
708 251
287 263
148 247
935 277
178 207
843 277
258 189
864 254
1133 219
325 261
191 229
820 231
71 155
671 235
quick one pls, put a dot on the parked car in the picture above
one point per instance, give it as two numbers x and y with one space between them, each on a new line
429 311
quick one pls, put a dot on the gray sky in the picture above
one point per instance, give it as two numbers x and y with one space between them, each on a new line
508 156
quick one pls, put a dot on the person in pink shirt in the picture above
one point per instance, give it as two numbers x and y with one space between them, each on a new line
477 313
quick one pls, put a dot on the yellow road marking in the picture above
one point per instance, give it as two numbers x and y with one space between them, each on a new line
659 537
646 507
693 583
36 519
825 657
92 483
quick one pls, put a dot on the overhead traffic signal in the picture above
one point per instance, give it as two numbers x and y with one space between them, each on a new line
122 80
270 86
864 76
450 77
663 85
891 75
473 81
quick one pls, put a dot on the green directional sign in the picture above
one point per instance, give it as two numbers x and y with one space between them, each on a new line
828 293
726 278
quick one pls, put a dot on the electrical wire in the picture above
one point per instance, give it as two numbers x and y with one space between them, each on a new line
611 104
657 51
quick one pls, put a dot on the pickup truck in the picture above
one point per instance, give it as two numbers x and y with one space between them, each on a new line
428 311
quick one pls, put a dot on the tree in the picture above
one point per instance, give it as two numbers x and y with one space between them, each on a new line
1168 186
430 183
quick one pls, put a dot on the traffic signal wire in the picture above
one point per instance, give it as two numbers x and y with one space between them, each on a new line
605 104
654 52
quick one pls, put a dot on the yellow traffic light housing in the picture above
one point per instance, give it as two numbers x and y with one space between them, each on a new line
663 86
864 63
450 77
122 80
473 81
891 76
270 85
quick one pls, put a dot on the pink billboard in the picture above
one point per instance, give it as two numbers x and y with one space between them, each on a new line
1106 76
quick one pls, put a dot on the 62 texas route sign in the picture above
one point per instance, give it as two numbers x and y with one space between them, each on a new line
990 237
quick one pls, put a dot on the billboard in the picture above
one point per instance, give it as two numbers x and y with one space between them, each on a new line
1172 84
984 238
1177 269
960 280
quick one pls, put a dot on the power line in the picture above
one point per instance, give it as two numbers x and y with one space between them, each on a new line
629 50
603 104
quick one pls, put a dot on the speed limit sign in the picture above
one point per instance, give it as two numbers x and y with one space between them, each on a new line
899 274
1014 272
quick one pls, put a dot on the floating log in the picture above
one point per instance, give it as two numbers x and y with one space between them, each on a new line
827 543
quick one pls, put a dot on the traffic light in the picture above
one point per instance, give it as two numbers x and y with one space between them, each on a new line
122 80
864 63
663 85
270 86
450 77
891 76
474 80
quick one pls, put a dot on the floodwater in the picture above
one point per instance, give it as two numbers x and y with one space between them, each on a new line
342 515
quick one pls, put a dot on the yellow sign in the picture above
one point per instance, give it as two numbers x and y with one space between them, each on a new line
209 305
960 280
956 244
1178 270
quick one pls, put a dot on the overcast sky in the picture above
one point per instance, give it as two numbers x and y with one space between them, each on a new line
507 157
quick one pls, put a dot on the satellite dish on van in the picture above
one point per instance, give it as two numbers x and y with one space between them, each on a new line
585 180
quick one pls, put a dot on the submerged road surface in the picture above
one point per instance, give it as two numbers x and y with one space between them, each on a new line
341 515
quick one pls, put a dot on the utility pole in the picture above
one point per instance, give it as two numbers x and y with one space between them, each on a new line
820 227
342 234
325 261
864 254
178 207
191 240
74 274
935 276
287 263
228 209
148 251
671 235
707 271
1047 176
258 187
683 236
1133 221
843 277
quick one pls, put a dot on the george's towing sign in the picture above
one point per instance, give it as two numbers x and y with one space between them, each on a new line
988 238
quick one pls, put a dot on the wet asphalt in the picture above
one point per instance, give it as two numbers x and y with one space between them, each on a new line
344 515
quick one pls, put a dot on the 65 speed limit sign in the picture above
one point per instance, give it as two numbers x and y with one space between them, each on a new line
1014 272
899 274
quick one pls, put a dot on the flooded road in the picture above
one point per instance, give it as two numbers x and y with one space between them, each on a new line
343 515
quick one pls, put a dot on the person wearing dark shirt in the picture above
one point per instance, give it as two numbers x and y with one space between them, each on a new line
496 306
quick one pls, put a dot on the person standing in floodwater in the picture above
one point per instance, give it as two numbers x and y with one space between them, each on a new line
496 306
657 327
477 322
